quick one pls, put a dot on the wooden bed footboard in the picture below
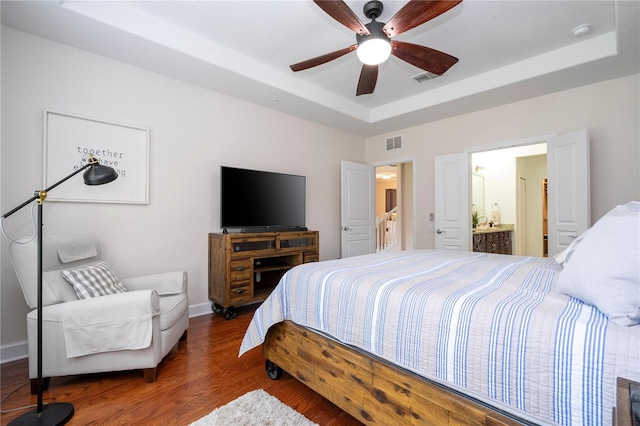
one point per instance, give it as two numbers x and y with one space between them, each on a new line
372 391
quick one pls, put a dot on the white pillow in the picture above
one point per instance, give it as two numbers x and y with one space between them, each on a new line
604 269
565 254
94 281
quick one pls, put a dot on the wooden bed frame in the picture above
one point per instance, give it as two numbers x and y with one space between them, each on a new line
371 390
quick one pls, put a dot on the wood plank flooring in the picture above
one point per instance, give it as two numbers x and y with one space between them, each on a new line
203 374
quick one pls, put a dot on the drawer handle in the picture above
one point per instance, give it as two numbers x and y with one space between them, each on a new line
240 291
240 268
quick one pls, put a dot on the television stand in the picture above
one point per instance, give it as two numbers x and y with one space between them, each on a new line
245 267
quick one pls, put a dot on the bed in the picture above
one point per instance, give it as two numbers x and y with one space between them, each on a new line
443 337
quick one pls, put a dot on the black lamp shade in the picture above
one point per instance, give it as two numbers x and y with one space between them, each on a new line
98 174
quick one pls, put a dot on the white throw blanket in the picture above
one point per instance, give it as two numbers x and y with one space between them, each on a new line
109 323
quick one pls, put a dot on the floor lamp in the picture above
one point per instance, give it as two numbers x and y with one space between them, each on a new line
57 413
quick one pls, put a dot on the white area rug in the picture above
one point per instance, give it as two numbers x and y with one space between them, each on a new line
256 408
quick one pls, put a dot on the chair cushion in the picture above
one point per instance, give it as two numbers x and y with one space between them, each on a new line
72 247
94 281
172 308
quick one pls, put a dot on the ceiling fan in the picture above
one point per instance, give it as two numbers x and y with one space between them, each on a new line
373 40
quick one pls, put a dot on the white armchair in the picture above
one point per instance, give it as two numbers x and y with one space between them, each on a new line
125 331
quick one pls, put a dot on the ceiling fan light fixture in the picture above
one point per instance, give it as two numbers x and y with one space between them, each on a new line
374 51
375 47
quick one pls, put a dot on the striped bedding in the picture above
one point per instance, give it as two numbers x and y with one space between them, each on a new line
488 325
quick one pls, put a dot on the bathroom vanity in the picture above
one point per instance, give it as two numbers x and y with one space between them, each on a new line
494 239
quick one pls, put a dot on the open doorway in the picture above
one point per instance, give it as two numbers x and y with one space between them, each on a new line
394 206
514 180
567 191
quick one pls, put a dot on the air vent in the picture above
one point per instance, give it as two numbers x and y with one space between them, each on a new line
394 143
425 76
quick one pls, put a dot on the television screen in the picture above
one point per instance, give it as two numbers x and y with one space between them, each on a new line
259 199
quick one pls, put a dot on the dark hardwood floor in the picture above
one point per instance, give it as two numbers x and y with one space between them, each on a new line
203 374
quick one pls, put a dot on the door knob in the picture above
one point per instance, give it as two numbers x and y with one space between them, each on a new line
346 228
439 231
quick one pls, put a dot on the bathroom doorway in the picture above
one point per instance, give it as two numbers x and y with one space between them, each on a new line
512 179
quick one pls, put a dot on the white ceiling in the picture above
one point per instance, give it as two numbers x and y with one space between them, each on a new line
386 172
508 50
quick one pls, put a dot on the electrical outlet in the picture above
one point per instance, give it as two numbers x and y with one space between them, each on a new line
432 229
431 217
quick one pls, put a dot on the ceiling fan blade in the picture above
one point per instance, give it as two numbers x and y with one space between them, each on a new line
415 13
339 11
323 59
425 58
368 80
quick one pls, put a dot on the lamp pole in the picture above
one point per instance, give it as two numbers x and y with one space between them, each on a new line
57 413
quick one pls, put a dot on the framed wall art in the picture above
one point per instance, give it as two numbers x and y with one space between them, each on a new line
68 142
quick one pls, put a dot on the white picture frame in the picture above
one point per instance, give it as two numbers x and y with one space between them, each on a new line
68 142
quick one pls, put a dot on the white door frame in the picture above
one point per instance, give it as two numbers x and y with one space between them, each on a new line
512 144
580 224
509 144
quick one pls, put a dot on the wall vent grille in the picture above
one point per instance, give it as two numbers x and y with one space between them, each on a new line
425 76
394 143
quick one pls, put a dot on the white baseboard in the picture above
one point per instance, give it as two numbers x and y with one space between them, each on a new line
20 350
13 352
200 309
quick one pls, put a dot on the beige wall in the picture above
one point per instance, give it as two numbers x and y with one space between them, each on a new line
609 110
192 132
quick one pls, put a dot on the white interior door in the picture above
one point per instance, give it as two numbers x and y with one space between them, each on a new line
569 206
358 217
452 210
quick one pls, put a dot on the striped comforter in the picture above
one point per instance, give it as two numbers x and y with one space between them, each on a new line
488 325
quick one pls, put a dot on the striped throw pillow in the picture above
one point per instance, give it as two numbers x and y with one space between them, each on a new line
94 281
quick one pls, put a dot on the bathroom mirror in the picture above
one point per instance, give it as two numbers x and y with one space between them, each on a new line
477 193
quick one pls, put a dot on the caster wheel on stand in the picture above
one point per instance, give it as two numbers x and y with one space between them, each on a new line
230 313
273 371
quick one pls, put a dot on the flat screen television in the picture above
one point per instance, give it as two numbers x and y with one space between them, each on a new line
260 201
